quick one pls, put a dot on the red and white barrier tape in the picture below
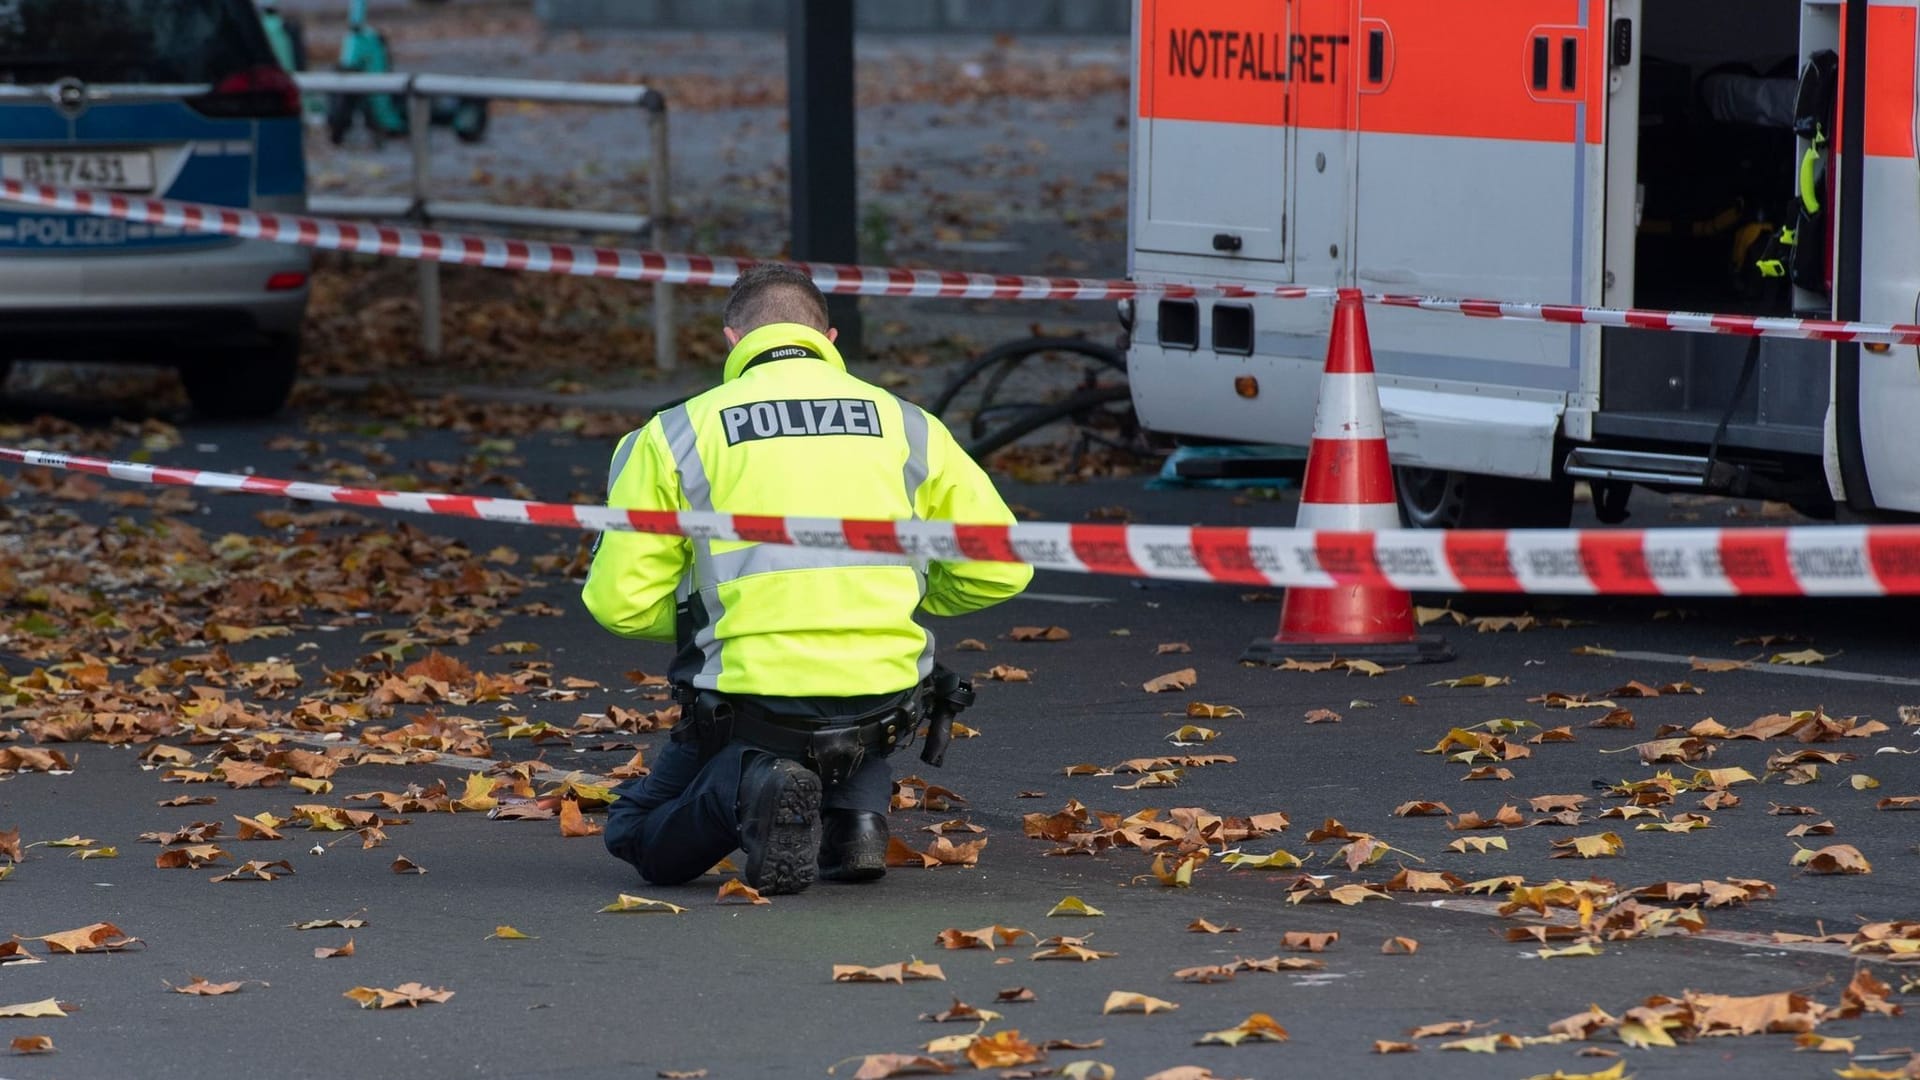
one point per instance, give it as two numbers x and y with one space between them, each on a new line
629 264
1826 560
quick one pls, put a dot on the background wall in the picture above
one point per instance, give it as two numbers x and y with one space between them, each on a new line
899 16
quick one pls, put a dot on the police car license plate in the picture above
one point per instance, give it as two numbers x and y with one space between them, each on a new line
108 170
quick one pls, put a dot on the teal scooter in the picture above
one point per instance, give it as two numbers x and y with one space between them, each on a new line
289 42
364 49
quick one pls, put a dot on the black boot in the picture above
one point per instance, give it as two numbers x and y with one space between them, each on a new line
779 814
854 845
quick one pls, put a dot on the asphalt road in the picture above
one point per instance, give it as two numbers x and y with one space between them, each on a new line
746 991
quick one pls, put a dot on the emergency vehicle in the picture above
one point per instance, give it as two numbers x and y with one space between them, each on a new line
1747 156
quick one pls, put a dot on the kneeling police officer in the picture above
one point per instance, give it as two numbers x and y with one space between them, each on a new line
799 669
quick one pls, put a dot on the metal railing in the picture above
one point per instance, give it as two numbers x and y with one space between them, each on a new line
419 92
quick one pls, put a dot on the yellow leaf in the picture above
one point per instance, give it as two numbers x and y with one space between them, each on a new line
1190 734
1599 846
1200 710
71 841
1485 1044
1823 1044
1721 778
1128 1001
1585 948
1473 681
1478 844
1802 658
1616 1072
479 793
1641 1036
1862 782
1356 893
1273 860
310 785
508 933
1256 1028
32 1010
1366 667
1073 905
98 853
641 903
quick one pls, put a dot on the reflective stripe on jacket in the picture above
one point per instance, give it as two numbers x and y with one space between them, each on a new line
790 433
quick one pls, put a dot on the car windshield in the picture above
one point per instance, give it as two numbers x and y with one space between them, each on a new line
128 41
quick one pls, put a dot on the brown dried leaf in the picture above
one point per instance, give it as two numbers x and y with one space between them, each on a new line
1833 859
1128 1001
1173 680
573 823
885 1066
407 995
203 988
987 937
735 891
1308 941
898 972
257 870
95 937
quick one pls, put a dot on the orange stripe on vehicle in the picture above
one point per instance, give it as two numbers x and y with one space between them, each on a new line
1470 76
1240 61
1887 129
1230 61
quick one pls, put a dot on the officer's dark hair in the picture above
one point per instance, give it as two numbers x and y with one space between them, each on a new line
775 293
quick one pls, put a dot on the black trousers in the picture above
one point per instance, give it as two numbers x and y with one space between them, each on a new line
676 822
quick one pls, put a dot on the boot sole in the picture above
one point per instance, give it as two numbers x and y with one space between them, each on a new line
787 858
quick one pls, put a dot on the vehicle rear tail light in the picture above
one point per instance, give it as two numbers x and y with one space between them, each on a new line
286 281
263 91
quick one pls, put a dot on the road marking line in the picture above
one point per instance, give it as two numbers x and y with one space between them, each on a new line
1772 669
1064 598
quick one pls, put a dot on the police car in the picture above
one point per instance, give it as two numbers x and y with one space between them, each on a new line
182 99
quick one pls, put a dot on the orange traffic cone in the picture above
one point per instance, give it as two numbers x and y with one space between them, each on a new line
1349 488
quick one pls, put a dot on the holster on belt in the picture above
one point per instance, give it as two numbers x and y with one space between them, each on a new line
947 696
706 720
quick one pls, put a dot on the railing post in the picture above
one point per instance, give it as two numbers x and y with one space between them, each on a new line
419 127
660 211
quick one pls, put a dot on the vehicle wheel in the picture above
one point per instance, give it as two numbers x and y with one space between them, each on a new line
470 119
1440 499
245 383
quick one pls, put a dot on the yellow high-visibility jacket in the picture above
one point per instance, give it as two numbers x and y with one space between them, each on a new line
790 433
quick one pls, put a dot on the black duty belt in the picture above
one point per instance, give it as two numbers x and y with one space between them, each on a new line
833 749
